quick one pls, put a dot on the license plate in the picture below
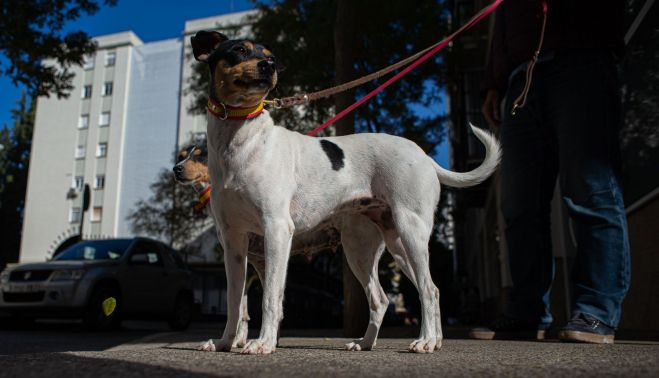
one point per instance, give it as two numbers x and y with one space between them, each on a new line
23 288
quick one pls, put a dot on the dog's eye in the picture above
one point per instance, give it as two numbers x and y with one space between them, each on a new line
240 49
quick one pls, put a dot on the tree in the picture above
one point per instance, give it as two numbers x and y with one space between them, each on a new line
39 53
168 214
15 144
640 99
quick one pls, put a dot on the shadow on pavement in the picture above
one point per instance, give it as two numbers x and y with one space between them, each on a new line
67 365
66 335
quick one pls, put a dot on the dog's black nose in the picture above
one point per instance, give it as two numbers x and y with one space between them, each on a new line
178 169
266 66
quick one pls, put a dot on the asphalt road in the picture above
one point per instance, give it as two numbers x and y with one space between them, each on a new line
151 351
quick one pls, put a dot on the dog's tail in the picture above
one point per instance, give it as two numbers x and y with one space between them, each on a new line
483 171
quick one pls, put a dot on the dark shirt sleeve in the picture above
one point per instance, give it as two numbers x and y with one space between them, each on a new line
571 24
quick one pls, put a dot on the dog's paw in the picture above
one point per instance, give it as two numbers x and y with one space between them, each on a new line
258 346
241 335
359 344
215 346
423 345
207 346
239 343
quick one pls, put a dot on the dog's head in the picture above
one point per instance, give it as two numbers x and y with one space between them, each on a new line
192 166
242 72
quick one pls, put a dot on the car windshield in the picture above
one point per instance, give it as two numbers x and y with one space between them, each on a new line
95 250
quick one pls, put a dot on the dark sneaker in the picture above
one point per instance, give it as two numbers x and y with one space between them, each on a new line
585 328
506 328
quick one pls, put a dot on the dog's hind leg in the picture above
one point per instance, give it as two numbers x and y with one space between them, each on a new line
278 236
363 246
395 247
243 325
414 230
235 265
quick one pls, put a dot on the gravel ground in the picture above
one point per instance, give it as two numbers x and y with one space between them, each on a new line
167 354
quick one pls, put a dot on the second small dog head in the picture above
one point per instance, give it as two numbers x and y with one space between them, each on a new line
192 166
242 72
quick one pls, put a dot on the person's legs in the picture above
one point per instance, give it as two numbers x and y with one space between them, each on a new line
585 99
528 174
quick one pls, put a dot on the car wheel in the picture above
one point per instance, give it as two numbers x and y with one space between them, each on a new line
95 317
181 316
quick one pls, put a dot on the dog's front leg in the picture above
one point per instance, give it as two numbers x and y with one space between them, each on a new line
278 237
235 265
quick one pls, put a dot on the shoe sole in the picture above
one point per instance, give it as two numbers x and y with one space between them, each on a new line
529 335
585 337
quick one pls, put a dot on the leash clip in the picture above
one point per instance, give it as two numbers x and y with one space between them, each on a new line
276 103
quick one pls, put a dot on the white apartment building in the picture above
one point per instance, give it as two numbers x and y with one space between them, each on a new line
122 124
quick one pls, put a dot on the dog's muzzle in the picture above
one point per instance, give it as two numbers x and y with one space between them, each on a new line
266 70
178 173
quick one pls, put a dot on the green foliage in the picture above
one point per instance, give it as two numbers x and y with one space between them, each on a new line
300 33
15 144
168 214
39 53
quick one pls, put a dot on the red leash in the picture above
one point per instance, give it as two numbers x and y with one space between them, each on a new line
473 21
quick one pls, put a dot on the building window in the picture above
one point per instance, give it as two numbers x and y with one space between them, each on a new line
97 213
99 182
83 122
80 152
89 63
74 215
104 119
110 58
107 89
87 91
77 182
102 150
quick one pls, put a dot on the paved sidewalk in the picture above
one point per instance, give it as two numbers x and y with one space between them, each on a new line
175 355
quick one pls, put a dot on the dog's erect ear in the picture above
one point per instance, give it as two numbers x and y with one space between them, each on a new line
204 43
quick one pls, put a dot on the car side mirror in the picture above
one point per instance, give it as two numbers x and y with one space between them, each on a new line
139 259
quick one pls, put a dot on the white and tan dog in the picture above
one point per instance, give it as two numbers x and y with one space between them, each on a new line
377 189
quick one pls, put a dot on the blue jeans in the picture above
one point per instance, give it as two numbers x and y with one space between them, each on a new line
569 127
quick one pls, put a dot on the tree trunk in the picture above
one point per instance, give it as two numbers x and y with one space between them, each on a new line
355 307
344 59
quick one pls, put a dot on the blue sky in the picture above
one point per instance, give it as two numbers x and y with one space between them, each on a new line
151 21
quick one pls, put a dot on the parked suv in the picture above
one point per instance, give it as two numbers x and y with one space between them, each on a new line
133 277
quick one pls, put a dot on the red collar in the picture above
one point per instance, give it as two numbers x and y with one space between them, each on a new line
204 198
223 112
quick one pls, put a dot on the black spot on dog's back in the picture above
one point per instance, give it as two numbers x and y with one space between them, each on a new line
334 153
